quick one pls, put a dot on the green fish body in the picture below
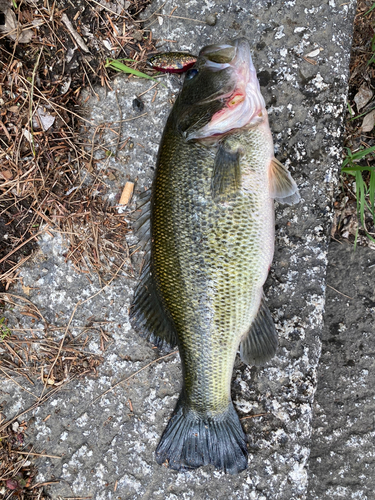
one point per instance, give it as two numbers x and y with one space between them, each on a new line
210 217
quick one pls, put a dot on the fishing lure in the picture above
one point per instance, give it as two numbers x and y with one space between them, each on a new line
172 62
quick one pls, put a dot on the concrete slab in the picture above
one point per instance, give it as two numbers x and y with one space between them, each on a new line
342 461
108 450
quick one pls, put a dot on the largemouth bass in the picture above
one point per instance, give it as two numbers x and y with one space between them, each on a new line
209 227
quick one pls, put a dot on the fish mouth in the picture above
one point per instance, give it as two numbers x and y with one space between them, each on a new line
244 105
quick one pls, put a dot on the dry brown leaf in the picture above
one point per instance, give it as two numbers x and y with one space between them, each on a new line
14 29
43 119
368 122
363 96
7 174
26 289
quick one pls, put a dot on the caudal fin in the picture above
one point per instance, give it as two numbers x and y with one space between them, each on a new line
190 440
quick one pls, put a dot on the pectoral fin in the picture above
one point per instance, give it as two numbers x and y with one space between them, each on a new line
260 343
226 179
282 186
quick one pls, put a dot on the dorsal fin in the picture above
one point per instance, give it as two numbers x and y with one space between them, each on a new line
147 312
282 186
260 343
142 218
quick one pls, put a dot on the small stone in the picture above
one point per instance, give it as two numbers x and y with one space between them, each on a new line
211 19
138 104
138 35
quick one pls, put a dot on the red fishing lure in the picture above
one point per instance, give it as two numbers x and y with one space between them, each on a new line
172 62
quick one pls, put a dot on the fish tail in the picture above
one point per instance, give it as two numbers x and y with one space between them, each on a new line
191 440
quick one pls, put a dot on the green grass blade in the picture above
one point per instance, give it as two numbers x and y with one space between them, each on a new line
370 237
348 157
370 9
360 193
372 193
360 116
119 66
358 155
357 168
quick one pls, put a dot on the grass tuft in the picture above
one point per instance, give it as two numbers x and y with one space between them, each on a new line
365 190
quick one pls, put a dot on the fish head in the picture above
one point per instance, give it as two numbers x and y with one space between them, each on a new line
221 93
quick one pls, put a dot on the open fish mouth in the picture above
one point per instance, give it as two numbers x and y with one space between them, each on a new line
244 105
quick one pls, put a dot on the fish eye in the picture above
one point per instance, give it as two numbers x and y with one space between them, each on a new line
191 73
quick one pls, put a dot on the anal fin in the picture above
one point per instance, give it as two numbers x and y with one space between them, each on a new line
148 314
260 343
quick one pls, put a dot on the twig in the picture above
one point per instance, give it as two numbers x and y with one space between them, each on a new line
109 282
15 267
113 12
38 485
152 15
31 99
60 347
37 454
6 296
253 416
347 296
76 36
185 18
49 394
23 244
19 385
132 375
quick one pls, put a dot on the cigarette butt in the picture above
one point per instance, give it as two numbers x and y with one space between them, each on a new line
127 193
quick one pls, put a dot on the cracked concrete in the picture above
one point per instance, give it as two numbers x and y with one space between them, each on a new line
107 449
